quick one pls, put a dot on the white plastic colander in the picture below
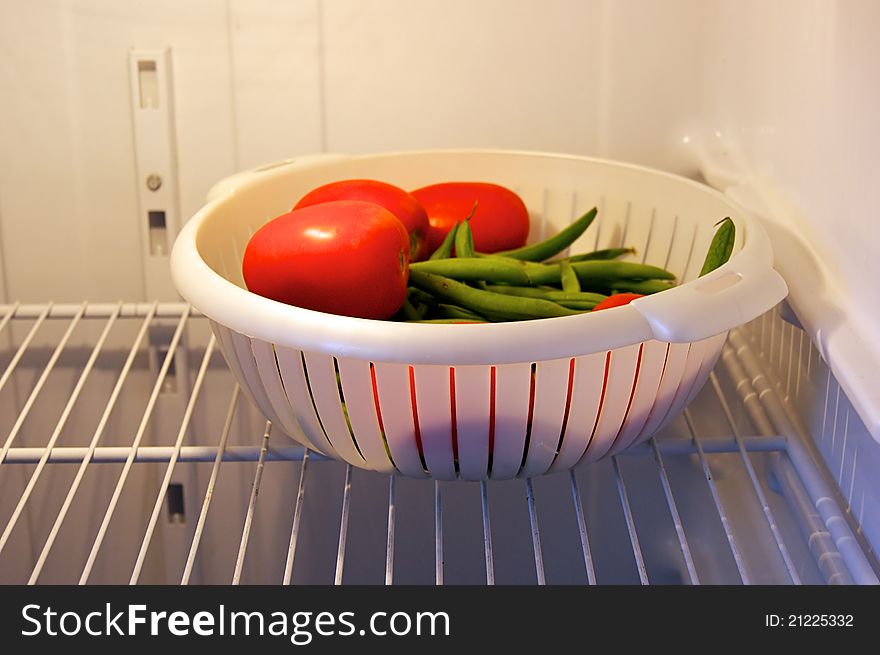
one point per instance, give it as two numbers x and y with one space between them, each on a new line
486 400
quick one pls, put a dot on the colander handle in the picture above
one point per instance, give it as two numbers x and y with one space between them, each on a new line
735 293
229 184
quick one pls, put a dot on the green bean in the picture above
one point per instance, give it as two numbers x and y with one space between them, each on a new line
645 287
444 250
721 247
555 244
607 253
596 273
417 295
464 240
473 269
498 306
454 311
412 313
568 277
577 304
547 294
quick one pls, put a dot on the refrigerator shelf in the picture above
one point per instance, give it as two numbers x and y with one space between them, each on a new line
729 493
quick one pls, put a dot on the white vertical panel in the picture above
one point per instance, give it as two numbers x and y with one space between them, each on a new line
434 404
586 396
619 388
357 387
276 71
472 402
393 391
512 388
551 393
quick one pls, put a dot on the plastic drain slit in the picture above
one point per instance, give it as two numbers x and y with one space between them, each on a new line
601 403
452 420
415 414
567 410
375 386
312 398
533 374
632 394
345 409
491 420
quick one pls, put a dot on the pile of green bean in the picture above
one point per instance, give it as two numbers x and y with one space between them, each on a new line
458 285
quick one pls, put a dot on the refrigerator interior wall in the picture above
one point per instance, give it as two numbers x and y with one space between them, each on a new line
769 99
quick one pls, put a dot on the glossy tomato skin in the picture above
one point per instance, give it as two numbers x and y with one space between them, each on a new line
342 257
500 222
400 203
617 300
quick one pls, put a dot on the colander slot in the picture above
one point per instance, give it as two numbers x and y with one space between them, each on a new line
600 220
322 384
345 410
379 414
491 420
511 399
652 363
586 394
471 420
391 393
452 422
601 406
627 214
621 374
290 366
415 414
533 375
671 243
565 414
673 368
650 234
270 376
548 415
632 394
687 264
305 370
430 394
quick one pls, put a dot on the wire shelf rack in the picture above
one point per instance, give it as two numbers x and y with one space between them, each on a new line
116 415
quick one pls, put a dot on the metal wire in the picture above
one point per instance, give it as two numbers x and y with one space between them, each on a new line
536 532
90 451
209 492
219 451
148 411
438 535
716 498
630 523
252 505
35 392
756 485
343 526
676 518
582 528
59 426
389 541
169 470
297 518
487 534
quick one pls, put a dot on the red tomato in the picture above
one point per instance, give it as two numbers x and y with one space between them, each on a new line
617 300
343 257
406 208
501 221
